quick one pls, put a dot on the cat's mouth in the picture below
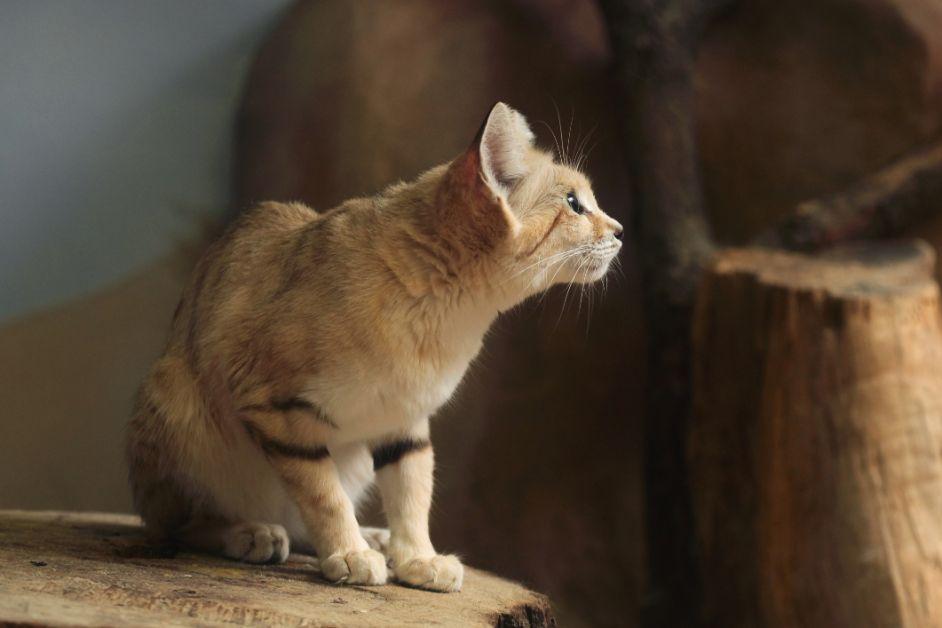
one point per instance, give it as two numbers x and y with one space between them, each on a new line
597 263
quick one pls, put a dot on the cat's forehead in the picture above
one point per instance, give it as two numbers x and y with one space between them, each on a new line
568 176
551 172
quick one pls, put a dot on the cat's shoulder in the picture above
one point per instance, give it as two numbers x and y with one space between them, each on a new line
276 216
292 212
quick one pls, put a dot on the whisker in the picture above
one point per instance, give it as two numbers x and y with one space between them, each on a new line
583 153
582 287
588 317
559 266
549 284
585 157
575 275
553 135
562 308
619 269
564 159
576 249
538 262
580 147
572 116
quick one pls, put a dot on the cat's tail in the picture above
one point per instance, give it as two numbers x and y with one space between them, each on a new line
164 424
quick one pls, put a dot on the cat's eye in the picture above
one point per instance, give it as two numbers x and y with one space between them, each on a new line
574 203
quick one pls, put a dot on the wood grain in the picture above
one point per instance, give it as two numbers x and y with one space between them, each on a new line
815 444
82 569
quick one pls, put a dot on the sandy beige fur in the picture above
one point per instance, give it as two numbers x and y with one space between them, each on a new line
310 348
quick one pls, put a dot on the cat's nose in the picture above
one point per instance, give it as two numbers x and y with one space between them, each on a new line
617 230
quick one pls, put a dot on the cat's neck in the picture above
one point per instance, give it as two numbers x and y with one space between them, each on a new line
448 288
448 295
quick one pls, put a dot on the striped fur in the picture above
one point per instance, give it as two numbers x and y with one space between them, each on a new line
391 453
309 350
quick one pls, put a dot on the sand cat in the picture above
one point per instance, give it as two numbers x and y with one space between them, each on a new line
309 351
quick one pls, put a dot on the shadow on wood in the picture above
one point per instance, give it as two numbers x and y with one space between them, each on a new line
97 569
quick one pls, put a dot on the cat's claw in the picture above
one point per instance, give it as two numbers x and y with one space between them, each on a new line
257 543
358 567
437 573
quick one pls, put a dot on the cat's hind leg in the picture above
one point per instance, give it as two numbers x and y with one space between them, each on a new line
376 538
248 542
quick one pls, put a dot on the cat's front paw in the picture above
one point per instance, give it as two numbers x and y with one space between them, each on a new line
435 573
359 567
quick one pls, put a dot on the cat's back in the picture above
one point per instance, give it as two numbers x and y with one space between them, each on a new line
241 267
259 240
272 219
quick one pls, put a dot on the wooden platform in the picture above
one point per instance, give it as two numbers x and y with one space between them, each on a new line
96 569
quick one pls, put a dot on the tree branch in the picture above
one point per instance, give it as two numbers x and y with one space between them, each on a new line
654 44
880 205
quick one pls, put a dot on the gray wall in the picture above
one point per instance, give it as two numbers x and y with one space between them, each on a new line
115 133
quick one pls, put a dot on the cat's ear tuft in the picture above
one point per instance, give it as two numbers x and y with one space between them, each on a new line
503 142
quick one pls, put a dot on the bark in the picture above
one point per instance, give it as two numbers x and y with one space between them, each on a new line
883 204
654 44
72 569
814 443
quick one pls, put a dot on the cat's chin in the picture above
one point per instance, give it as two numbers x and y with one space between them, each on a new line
595 271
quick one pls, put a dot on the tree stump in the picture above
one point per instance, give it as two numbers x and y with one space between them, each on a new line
70 569
816 436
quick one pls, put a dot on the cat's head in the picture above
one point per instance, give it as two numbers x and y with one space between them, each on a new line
536 217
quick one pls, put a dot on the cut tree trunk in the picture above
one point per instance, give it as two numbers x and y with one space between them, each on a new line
96 569
816 438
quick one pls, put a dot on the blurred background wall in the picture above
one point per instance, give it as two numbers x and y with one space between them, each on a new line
116 132
118 123
116 146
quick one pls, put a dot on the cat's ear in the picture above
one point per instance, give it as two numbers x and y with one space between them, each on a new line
473 200
502 144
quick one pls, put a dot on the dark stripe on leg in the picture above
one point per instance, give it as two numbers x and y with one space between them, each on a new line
273 447
391 453
289 404
297 403
292 403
